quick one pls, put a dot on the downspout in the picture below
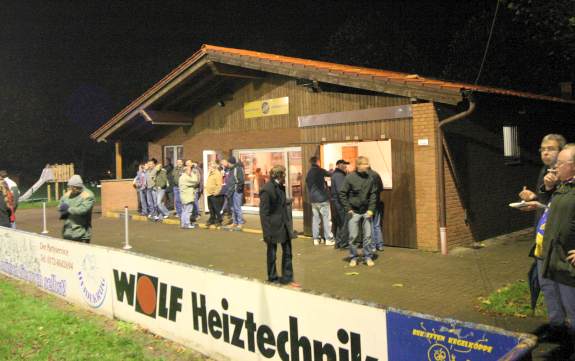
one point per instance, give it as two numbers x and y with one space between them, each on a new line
441 169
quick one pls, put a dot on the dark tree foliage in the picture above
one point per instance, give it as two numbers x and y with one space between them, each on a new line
531 47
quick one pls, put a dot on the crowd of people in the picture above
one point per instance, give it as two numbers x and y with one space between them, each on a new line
181 187
553 201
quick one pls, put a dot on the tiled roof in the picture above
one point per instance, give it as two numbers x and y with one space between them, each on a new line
377 75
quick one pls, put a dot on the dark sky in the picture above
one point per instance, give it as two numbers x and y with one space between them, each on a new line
73 56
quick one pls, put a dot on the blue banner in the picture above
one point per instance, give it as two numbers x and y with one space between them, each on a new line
413 337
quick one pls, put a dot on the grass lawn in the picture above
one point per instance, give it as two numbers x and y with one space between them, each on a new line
37 326
512 300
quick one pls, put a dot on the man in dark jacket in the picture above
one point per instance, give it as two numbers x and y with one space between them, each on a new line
359 198
319 199
277 226
550 147
559 238
339 216
377 233
236 193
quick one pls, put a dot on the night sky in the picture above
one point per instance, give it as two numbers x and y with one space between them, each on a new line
85 60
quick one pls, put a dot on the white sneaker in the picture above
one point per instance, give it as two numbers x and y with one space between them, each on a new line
330 242
316 242
165 217
353 262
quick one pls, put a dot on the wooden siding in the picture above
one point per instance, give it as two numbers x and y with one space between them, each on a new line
224 128
399 217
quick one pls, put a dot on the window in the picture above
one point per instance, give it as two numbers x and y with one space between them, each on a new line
173 153
511 149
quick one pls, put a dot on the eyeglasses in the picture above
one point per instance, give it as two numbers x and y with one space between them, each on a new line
548 149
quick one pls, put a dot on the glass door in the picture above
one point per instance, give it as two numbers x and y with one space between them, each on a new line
172 153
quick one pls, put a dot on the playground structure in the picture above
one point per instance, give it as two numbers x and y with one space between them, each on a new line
51 174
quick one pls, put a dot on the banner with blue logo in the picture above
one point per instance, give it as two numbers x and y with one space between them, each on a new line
418 337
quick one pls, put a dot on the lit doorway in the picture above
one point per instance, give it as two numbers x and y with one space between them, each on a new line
257 165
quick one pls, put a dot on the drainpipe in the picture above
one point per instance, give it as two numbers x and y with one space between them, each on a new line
441 170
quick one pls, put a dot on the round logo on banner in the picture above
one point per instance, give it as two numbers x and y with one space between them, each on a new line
92 285
265 107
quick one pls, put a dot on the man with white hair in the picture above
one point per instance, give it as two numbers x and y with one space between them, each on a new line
76 210
558 248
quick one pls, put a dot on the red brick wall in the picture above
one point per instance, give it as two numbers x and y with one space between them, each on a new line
458 232
425 157
116 194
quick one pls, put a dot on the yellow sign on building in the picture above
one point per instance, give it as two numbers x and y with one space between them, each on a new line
264 108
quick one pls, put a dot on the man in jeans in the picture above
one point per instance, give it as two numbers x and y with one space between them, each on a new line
377 233
150 193
319 198
176 174
236 193
359 197
160 186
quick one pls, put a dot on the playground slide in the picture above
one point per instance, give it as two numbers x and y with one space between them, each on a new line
47 175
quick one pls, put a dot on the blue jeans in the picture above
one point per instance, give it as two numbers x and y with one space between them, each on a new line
237 217
160 202
360 220
320 211
143 201
186 214
559 299
377 234
151 202
177 201
196 204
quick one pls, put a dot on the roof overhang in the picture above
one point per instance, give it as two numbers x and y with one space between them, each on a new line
215 63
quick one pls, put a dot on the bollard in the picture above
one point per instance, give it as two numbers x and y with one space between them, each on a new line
44 230
127 242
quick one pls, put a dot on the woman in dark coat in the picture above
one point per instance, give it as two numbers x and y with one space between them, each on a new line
277 226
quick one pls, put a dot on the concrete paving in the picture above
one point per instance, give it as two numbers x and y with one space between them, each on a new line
445 286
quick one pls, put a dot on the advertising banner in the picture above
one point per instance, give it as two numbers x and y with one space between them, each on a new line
264 108
74 271
243 319
420 337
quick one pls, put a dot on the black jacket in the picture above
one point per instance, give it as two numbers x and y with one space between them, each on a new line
236 180
315 183
559 237
379 187
337 179
4 212
358 193
275 213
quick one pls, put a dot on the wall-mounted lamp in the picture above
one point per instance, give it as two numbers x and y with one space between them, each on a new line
221 103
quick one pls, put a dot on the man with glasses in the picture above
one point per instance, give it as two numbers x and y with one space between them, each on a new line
551 145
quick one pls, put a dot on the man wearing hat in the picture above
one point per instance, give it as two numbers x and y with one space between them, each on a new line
339 216
76 211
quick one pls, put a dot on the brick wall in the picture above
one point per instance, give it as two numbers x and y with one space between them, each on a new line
458 232
425 159
116 194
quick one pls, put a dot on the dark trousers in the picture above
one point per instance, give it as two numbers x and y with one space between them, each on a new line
287 268
215 204
339 220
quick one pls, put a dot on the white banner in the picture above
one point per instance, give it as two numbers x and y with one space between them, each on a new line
243 319
233 318
77 272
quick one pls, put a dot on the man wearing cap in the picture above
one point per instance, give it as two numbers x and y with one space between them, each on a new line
76 211
339 216
14 189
